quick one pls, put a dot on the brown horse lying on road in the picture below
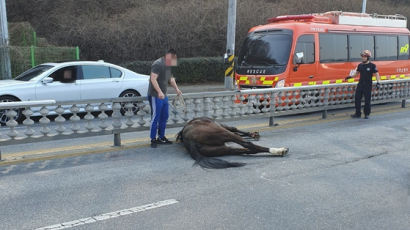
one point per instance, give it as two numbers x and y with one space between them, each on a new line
204 138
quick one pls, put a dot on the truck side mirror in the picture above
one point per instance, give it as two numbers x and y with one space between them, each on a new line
299 57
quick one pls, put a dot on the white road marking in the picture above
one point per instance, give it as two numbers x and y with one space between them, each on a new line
106 216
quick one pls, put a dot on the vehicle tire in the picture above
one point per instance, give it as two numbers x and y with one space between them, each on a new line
3 117
130 93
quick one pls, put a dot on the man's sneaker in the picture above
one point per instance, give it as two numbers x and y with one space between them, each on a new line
355 116
164 140
366 117
154 143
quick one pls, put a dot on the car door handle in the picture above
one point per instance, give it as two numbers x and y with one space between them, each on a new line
311 76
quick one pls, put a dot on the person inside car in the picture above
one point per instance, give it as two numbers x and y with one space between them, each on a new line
67 76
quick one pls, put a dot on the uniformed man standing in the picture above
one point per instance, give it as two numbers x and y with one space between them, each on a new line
160 77
366 69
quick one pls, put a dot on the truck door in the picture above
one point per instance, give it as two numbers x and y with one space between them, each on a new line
305 71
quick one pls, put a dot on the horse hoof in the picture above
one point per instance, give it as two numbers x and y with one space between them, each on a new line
285 151
278 151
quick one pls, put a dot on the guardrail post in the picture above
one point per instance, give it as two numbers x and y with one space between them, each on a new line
325 102
271 121
117 139
116 107
403 103
272 109
324 114
0 155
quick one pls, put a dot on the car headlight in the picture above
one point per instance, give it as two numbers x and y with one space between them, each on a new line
280 84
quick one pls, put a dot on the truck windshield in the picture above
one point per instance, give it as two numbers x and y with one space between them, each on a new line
265 49
33 72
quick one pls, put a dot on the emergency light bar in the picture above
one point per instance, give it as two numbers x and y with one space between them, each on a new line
291 17
347 18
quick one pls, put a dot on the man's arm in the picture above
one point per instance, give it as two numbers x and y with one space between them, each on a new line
174 85
378 80
154 82
377 77
355 74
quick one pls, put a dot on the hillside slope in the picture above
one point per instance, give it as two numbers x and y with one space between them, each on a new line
125 30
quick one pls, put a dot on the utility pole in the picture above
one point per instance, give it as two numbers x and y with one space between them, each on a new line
230 46
5 69
364 6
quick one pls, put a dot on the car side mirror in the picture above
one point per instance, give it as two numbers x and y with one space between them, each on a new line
299 57
47 80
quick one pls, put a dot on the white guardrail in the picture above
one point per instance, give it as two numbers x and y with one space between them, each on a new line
74 119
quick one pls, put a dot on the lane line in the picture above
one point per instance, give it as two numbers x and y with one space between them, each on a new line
68 148
75 154
109 215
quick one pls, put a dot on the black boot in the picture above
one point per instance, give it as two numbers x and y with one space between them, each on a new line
355 115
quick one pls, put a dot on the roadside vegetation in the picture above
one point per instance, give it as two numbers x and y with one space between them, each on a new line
127 31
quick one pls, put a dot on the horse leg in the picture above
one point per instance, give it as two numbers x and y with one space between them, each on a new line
216 151
231 137
254 135
273 151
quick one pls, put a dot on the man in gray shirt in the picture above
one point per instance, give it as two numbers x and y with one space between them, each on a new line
160 77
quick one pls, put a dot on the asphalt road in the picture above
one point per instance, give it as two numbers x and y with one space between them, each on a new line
339 174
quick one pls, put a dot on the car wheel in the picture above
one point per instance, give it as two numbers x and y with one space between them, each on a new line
130 93
3 117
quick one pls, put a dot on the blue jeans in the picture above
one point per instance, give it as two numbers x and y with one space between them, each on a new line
159 116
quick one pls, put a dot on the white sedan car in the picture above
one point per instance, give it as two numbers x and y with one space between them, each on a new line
79 80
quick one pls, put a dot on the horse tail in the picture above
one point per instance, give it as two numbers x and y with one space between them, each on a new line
209 162
179 136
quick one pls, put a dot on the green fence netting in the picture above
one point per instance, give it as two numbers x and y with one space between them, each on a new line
25 57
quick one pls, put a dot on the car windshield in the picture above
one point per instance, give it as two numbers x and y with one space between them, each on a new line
265 49
33 72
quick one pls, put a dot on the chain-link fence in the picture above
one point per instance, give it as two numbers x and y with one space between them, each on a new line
26 57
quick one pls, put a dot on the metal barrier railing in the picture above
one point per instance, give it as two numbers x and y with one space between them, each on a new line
73 119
